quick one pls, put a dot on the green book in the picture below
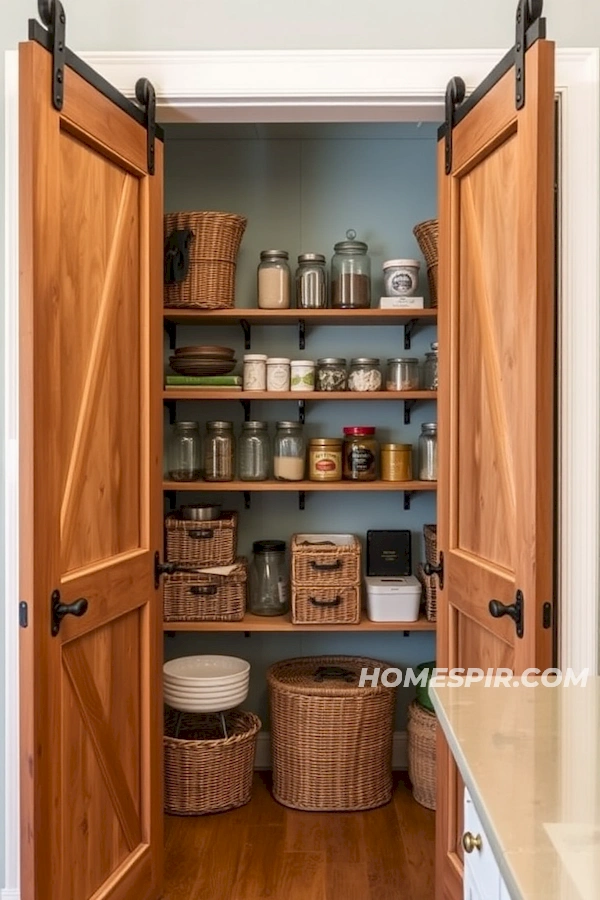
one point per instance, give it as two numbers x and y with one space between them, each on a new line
204 380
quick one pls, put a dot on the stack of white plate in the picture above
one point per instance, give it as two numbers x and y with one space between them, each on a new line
206 684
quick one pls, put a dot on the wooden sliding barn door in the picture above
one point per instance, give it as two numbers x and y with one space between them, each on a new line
496 397
91 466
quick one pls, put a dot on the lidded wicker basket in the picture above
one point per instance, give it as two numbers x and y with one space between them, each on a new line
422 735
331 740
201 251
427 235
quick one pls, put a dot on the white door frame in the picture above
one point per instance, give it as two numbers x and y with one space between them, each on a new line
267 86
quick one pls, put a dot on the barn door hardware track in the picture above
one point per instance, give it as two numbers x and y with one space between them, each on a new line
52 14
455 94
146 97
527 13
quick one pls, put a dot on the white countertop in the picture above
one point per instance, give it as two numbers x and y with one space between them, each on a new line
530 758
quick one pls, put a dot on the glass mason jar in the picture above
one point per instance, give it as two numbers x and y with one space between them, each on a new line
274 280
332 374
268 579
254 452
430 369
351 274
402 374
289 452
428 452
311 281
219 452
184 452
360 453
365 374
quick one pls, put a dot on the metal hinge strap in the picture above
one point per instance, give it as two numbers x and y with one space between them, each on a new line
146 97
53 16
455 94
527 13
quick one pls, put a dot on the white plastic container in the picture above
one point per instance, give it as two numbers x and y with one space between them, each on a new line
278 373
255 372
401 277
303 375
394 599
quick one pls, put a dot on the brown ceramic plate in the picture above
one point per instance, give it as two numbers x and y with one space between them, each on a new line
202 366
205 351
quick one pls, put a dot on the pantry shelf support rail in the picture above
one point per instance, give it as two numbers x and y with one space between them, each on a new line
171 332
407 499
247 407
302 411
301 500
409 330
301 334
172 410
247 329
408 407
247 499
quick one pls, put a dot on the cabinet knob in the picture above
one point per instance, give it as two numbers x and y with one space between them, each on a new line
471 842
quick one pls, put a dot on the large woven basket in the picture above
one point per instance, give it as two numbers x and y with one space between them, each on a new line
201 597
210 543
427 234
204 771
422 734
331 740
317 605
211 247
429 583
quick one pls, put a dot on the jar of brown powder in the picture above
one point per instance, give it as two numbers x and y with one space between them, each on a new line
351 274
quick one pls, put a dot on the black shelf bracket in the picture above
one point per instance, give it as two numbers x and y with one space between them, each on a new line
408 407
247 499
302 411
171 498
301 500
301 334
246 404
407 499
171 406
53 16
171 332
406 633
409 330
247 329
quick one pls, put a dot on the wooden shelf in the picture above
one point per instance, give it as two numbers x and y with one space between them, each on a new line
315 396
296 486
283 623
256 316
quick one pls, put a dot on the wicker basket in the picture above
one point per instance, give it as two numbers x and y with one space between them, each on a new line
205 772
212 252
201 597
210 543
422 734
426 234
429 583
325 563
331 740
317 605
430 535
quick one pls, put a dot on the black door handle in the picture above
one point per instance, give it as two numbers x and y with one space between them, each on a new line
514 610
431 569
59 610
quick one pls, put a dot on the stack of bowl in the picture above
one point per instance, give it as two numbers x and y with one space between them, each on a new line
204 684
203 360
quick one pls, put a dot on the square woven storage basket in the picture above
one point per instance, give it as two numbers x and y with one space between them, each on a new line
210 543
331 740
204 771
325 563
212 255
429 594
320 605
200 597
422 733
431 552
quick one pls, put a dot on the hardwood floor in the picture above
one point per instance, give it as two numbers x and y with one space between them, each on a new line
264 850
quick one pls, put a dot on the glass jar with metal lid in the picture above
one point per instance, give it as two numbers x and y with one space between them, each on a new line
402 374
219 452
311 281
274 280
289 452
254 452
351 274
268 579
430 369
184 456
332 374
365 374
428 452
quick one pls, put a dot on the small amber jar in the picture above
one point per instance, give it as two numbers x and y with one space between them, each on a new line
325 459
396 462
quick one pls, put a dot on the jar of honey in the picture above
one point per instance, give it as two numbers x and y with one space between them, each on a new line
325 459
396 462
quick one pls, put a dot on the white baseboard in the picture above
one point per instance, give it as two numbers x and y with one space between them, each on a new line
399 751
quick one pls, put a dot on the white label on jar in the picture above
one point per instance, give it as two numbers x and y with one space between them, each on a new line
255 376
278 377
282 590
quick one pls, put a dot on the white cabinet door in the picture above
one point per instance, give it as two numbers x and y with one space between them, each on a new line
481 875
471 891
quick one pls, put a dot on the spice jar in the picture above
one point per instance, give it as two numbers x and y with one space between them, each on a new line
332 374
289 452
268 579
183 453
325 459
302 375
255 372
274 280
428 452
219 451
278 374
311 282
351 274
254 452
402 374
430 369
364 374
360 453
396 462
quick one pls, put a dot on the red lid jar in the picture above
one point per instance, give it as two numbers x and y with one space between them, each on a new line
360 453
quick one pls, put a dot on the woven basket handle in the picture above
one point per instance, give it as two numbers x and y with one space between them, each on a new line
177 255
326 567
334 672
203 590
325 603
205 535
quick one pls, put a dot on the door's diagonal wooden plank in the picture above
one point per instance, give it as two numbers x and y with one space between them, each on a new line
103 741
96 365
491 362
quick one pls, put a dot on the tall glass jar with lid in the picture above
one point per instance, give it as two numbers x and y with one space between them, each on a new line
254 452
351 274
274 280
268 579
289 452
430 369
311 281
428 452
184 452
219 452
